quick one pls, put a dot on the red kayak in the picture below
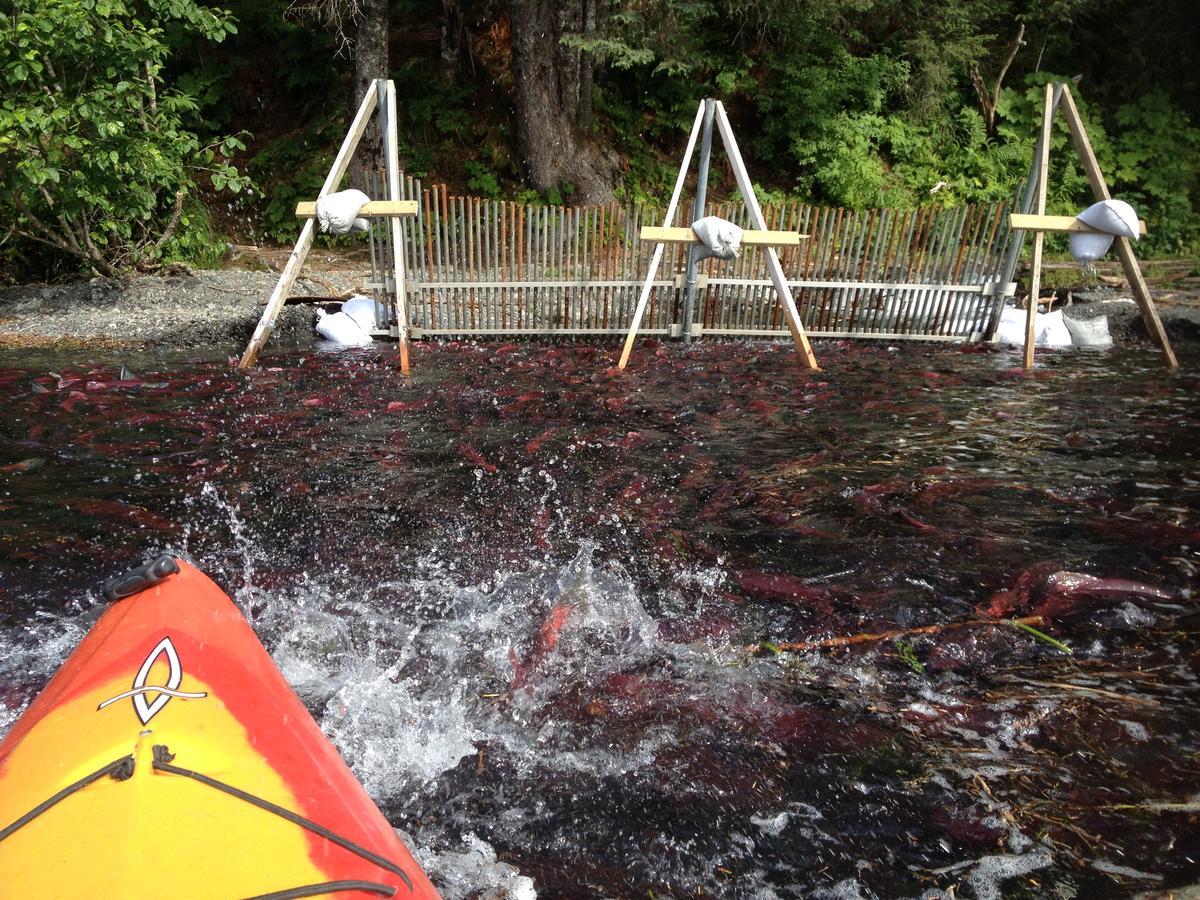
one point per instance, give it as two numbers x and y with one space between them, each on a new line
169 757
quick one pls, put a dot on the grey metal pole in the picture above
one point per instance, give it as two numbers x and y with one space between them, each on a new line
383 315
1018 237
689 295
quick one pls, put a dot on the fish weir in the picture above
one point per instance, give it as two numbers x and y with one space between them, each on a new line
483 267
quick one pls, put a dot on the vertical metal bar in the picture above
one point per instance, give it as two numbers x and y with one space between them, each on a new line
522 238
951 241
469 220
927 270
863 256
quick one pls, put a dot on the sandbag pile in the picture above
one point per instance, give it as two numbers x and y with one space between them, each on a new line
1053 330
351 326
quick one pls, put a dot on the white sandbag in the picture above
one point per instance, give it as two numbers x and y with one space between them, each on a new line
1050 330
1089 246
1112 217
1012 326
341 329
720 237
338 213
1092 333
362 310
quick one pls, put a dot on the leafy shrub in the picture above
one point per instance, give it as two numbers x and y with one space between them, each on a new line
95 165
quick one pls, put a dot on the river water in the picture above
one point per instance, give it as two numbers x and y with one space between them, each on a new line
544 609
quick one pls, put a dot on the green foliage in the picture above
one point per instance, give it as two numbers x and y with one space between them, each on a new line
94 161
1156 168
303 161
908 656
111 108
644 35
482 181
194 241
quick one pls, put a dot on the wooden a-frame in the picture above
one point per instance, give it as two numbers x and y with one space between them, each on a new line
1058 97
381 96
758 237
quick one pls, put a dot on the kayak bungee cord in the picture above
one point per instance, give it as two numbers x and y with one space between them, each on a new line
162 763
329 887
120 769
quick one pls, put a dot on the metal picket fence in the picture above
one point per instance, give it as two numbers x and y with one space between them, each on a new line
492 267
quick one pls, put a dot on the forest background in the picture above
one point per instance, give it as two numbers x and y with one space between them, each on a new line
135 132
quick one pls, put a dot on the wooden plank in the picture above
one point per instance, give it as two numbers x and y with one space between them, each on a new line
374 209
391 137
1035 278
749 238
1057 223
266 323
1133 271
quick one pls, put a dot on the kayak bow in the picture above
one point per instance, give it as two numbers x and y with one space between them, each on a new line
169 757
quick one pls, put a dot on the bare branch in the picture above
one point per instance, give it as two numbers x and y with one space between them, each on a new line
171 225
338 16
154 92
47 234
989 100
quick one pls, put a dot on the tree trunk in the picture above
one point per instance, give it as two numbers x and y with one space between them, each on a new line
584 115
370 62
549 87
452 32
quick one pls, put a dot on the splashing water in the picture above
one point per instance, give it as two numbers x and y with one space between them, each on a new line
534 604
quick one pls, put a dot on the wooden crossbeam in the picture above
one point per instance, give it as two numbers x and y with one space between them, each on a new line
661 235
1058 223
374 209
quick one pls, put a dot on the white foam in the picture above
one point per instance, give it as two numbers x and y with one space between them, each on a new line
32 653
1111 868
771 825
987 876
849 889
474 872
1135 730
394 740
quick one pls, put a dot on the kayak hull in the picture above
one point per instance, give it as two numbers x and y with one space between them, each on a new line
216 780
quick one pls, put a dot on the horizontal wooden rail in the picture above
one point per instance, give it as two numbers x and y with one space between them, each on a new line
1022 222
989 288
526 283
374 209
750 238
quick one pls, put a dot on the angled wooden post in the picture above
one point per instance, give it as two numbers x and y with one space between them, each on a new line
1129 263
799 337
266 323
391 141
658 248
1035 280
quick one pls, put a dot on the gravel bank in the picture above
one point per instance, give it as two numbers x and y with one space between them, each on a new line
207 309
219 309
